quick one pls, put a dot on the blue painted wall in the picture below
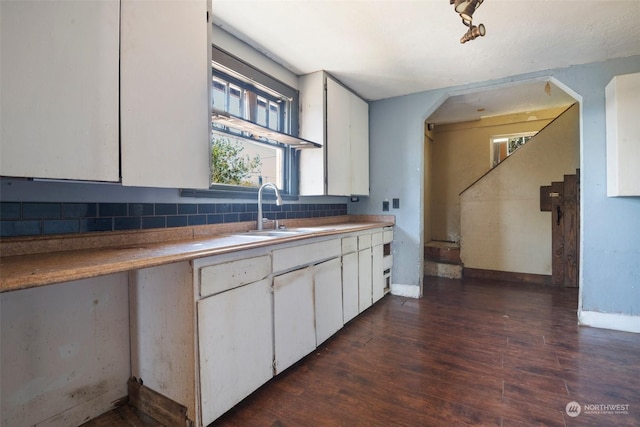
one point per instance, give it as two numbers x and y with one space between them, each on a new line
610 226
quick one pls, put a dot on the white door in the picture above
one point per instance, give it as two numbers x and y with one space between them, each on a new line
236 346
328 297
294 317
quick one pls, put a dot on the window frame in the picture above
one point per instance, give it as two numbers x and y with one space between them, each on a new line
239 73
493 141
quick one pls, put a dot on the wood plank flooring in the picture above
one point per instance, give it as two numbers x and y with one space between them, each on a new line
471 352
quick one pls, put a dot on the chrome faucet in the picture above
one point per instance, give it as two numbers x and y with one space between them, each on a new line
278 201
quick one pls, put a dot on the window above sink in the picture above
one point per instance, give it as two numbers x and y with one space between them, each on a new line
254 127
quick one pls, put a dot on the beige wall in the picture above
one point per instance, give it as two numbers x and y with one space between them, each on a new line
462 154
502 226
428 150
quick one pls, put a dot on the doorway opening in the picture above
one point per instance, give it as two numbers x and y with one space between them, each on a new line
496 226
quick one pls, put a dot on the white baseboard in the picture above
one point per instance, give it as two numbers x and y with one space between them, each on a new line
410 291
617 322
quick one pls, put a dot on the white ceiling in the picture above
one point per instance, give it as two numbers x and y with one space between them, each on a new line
386 48
521 98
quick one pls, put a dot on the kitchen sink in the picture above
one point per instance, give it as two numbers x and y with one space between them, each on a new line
274 233
311 229
283 232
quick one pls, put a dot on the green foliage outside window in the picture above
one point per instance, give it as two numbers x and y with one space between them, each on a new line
229 165
517 142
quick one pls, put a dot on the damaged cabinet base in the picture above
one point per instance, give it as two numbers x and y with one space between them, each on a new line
153 404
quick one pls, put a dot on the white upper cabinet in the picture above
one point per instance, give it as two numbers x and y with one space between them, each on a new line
338 145
359 133
59 85
623 135
165 86
335 117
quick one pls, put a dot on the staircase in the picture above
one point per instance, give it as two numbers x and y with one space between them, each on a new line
442 259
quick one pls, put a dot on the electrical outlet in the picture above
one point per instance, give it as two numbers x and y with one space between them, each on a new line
396 203
385 205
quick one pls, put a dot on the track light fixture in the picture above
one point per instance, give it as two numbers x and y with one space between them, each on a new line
466 8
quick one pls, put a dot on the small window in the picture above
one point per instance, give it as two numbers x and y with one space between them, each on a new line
505 145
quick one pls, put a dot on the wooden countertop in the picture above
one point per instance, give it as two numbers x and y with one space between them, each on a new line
32 262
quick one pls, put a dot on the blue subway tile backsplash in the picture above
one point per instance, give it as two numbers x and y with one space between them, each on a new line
20 228
33 218
187 208
10 210
166 208
60 226
112 209
79 210
88 225
41 210
140 209
127 223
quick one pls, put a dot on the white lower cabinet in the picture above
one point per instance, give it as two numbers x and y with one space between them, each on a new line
365 290
294 317
327 285
307 302
208 333
350 301
377 268
235 338
364 280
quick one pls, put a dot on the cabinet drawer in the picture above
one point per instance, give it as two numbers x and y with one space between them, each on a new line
364 241
387 236
287 258
376 239
349 244
222 277
387 262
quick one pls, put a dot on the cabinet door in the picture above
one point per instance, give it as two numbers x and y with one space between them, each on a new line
327 282
312 127
338 144
59 85
165 79
359 132
236 346
364 279
623 148
377 273
294 317
350 302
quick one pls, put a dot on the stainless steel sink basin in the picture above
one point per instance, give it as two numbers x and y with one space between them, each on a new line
311 229
285 232
274 233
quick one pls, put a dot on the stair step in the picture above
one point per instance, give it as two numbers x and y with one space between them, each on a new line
443 269
447 252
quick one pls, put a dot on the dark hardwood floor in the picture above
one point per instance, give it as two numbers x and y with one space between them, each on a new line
471 352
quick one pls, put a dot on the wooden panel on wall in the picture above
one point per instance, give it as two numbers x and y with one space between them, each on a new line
545 198
571 230
557 234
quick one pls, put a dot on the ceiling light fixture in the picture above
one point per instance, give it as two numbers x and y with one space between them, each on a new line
466 8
